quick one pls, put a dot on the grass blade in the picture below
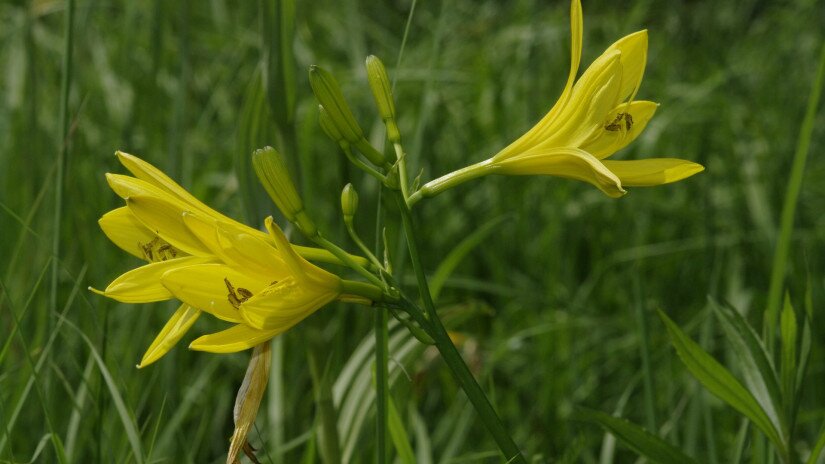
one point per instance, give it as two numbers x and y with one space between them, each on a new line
788 335
754 362
126 419
637 438
783 245
719 381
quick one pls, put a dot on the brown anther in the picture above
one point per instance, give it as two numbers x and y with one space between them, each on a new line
616 124
236 297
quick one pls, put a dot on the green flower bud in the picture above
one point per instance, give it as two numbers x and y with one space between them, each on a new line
382 92
329 95
349 202
329 127
271 170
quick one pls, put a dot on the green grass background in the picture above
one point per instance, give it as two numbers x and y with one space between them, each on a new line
558 300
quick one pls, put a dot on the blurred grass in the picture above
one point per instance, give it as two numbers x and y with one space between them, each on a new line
563 279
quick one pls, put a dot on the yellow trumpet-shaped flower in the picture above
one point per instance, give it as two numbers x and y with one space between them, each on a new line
594 117
209 262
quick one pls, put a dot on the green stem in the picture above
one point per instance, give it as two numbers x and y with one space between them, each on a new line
402 169
361 165
346 259
355 238
381 383
448 351
364 289
448 181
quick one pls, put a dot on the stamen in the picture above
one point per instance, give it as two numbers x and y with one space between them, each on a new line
236 297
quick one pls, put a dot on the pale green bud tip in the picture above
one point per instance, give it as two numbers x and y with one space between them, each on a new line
328 127
349 202
271 170
328 93
381 87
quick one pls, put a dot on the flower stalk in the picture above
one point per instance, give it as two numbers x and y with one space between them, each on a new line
449 353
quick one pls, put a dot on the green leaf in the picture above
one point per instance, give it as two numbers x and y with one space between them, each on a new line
719 381
637 438
399 434
817 452
788 333
756 366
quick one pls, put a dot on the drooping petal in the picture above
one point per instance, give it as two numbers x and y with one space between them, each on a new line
165 218
125 231
143 284
614 134
214 288
248 400
571 163
284 304
545 125
634 58
236 338
171 333
654 171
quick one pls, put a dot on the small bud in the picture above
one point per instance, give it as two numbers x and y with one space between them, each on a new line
329 127
329 95
349 202
271 169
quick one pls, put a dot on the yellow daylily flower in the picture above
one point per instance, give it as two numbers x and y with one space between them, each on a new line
594 117
263 290
186 243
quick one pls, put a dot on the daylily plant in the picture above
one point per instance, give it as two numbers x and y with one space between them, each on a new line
593 118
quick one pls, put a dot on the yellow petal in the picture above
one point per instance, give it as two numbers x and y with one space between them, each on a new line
594 95
300 268
171 333
284 304
254 253
205 287
148 173
571 163
545 125
165 219
143 285
249 398
654 171
125 231
634 58
614 135
236 338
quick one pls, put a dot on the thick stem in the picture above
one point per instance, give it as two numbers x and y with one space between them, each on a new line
448 351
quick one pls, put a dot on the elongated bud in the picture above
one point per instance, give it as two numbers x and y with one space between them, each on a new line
271 169
382 93
328 93
329 127
349 202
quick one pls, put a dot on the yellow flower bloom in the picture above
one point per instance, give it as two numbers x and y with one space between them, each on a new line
241 275
593 118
